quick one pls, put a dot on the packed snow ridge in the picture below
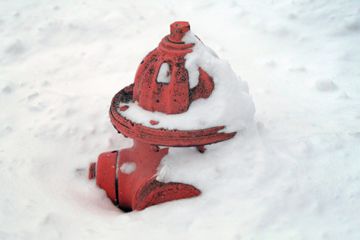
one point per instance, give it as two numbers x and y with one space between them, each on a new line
229 105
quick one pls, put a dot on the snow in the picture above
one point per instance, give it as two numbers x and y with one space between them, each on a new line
295 175
229 104
128 167
164 74
326 85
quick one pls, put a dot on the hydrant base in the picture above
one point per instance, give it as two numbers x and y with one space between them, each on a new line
158 192
129 177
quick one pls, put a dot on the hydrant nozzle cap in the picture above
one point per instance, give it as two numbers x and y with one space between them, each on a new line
178 30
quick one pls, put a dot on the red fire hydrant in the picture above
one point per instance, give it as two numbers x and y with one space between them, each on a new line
129 176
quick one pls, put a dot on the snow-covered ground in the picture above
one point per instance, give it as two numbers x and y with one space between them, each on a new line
296 177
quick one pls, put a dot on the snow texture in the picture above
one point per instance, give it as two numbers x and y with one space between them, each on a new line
295 175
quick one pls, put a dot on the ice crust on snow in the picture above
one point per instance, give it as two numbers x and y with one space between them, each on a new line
229 105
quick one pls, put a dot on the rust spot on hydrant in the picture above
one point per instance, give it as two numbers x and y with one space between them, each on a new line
170 93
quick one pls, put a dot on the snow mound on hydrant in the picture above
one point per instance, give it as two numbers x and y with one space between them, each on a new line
229 105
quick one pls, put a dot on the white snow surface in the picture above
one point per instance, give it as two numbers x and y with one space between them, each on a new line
296 175
164 73
229 104
128 167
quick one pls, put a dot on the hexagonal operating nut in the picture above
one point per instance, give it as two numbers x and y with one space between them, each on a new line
178 30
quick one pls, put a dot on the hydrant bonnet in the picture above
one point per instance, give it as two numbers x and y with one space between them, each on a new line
173 95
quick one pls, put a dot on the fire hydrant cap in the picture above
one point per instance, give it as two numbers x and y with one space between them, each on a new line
178 30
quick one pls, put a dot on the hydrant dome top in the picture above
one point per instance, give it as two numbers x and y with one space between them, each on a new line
162 79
